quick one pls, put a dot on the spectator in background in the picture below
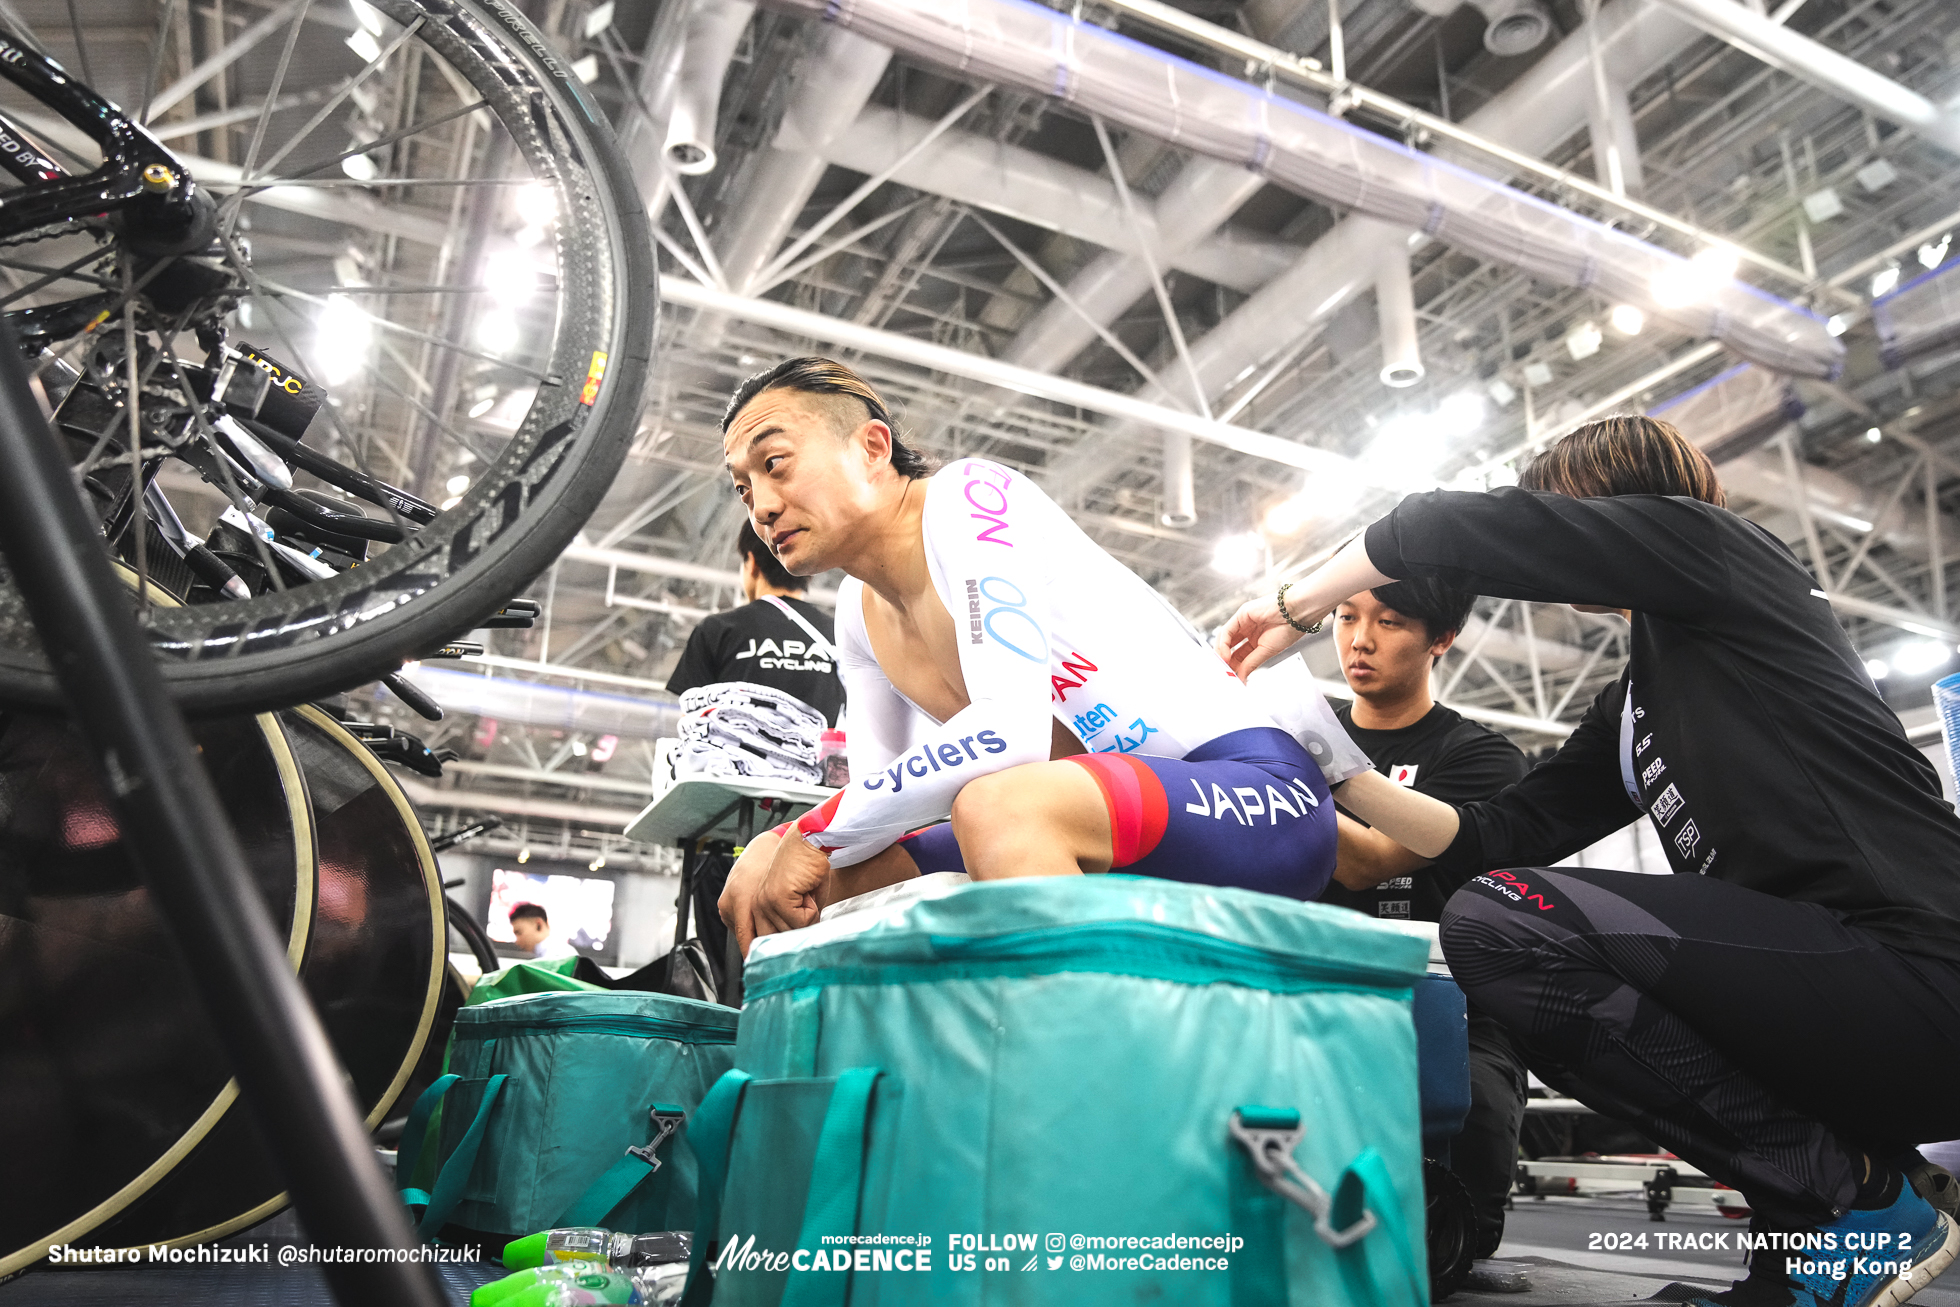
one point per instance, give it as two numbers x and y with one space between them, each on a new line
532 927
1389 639
777 639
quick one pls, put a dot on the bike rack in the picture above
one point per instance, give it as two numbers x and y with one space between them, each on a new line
190 857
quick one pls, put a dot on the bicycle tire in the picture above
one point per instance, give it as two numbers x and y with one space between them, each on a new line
302 643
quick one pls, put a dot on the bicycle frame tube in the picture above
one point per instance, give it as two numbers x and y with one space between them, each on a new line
126 148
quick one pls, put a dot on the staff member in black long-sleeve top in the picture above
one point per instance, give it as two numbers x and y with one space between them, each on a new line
1784 1012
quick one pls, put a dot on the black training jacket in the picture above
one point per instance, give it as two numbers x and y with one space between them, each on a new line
1745 725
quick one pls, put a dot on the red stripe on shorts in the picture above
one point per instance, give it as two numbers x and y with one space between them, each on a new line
1138 807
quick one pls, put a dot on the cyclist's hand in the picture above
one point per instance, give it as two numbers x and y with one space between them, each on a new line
1257 634
737 902
787 897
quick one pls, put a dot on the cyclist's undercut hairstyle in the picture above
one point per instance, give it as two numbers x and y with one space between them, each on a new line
814 375
1441 609
1629 455
749 545
529 910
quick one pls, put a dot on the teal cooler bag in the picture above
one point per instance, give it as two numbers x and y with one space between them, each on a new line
562 1109
1081 1090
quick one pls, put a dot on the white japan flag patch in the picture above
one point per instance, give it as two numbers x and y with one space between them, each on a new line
1404 774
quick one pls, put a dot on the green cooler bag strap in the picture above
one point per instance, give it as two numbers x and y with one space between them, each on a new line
618 1181
455 1175
1366 1187
710 1136
836 1180
414 1132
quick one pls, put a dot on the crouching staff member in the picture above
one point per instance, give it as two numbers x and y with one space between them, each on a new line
1389 639
1785 1012
980 634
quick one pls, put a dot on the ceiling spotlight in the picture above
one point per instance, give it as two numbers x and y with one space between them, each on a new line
1287 516
1876 668
344 335
483 406
1538 374
497 333
456 485
1874 435
1837 324
362 43
1584 340
1885 281
1461 413
578 748
1500 391
1238 555
1627 319
1680 284
360 167
449 503
1921 656
537 203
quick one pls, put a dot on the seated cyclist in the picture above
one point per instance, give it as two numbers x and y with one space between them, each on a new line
1003 671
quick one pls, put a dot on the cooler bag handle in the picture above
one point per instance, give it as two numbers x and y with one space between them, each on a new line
1269 1135
617 1182
836 1180
455 1174
1367 1179
414 1133
710 1136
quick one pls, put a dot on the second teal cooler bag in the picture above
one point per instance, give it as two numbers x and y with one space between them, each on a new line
558 1107
1081 1090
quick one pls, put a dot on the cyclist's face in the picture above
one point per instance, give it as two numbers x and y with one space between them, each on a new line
807 477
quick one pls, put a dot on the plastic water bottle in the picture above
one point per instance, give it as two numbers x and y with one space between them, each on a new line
585 1284
592 1244
833 761
1946 702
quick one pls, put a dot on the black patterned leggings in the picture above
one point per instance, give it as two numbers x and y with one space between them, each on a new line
1760 1039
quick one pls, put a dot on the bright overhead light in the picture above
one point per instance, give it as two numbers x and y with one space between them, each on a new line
1876 668
1837 324
586 69
1538 374
537 203
362 43
483 406
456 485
344 335
1874 435
511 276
1461 413
1584 340
1884 281
1500 391
497 332
1932 256
1502 475
360 167
449 503
367 15
1678 285
1921 656
578 748
524 855
1238 555
1407 448
1287 516
1627 320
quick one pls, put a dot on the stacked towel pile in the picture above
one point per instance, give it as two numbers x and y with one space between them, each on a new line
741 729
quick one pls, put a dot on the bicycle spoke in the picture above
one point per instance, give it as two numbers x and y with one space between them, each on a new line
81 46
326 110
156 60
272 97
53 277
230 486
134 406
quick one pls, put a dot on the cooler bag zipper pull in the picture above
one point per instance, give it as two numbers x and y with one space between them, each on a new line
1270 1134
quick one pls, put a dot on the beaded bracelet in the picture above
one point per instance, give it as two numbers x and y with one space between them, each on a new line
1304 630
